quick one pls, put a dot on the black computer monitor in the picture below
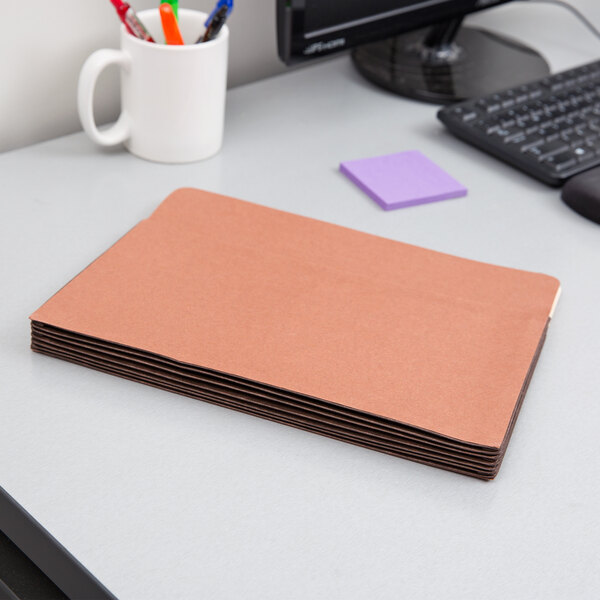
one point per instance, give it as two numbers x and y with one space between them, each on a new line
416 48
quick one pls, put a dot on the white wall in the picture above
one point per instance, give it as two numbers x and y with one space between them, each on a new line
43 44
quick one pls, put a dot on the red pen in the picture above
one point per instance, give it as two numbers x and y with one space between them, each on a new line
133 25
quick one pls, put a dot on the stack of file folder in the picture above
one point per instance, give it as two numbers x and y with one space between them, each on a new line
366 340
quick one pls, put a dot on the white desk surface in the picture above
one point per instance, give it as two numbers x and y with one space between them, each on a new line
162 496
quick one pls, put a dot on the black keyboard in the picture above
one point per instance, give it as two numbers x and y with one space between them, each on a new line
548 128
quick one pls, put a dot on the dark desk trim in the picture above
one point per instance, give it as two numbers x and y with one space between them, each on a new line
47 553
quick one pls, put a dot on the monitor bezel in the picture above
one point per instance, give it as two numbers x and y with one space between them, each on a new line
295 44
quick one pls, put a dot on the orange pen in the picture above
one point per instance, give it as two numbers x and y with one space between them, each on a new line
169 25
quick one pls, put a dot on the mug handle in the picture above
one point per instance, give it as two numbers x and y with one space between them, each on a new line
90 71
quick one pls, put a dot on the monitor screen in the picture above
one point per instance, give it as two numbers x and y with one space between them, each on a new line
310 28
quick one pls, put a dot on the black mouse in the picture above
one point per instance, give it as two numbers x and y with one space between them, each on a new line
582 194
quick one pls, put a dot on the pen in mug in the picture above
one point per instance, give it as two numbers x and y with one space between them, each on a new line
174 4
169 25
133 25
218 6
215 25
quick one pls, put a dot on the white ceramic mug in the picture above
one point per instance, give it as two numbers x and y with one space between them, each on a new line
172 97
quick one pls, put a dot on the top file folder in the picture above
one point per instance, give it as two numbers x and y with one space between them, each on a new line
390 346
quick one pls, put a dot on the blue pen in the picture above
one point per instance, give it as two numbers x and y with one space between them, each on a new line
215 25
220 3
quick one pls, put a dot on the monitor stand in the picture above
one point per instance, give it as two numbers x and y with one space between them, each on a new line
448 63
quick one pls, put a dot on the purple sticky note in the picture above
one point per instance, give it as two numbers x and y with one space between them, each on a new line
402 179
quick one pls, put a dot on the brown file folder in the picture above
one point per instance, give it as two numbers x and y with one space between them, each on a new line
364 339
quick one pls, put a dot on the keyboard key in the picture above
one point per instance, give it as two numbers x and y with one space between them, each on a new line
470 116
549 148
508 132
532 143
594 145
584 153
561 162
576 121
507 115
550 132
577 142
507 99
570 138
533 152
533 129
486 126
517 139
